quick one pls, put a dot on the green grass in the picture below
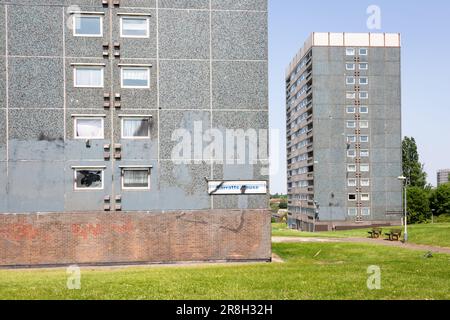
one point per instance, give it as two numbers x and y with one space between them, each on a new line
437 234
310 271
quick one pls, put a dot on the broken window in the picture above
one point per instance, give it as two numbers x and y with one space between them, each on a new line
86 179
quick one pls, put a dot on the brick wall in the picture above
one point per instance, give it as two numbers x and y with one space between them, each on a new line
98 238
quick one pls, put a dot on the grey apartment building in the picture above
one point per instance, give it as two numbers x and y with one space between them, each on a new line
443 177
92 93
344 132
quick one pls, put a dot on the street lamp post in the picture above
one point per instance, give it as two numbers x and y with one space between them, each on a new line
405 180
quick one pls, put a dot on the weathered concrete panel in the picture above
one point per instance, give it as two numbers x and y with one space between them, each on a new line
36 32
184 34
185 4
239 35
36 186
36 83
239 4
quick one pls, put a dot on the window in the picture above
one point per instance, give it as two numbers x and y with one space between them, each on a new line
351 95
352 197
351 139
350 66
364 66
365 168
134 27
363 52
88 179
351 153
134 77
351 168
364 139
363 81
89 128
364 109
87 26
350 52
88 77
351 109
350 80
365 211
135 128
352 182
364 95
364 153
364 124
351 124
365 183
136 179
352 211
365 197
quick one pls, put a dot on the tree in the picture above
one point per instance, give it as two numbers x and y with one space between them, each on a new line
440 199
418 205
412 168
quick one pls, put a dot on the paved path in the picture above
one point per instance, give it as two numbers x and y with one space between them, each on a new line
362 240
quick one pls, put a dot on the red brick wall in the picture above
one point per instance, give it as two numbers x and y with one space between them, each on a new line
90 238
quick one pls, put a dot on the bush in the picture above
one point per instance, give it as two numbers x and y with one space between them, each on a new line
440 200
418 205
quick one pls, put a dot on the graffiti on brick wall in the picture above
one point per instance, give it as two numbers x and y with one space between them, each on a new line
19 231
84 231
25 231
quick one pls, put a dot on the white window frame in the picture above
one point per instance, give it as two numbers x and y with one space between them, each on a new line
350 81
352 212
352 194
146 18
350 52
347 64
136 169
349 124
77 67
364 124
349 155
362 97
353 108
365 182
360 109
75 170
363 63
361 50
135 68
368 212
364 83
75 120
351 166
350 95
122 121
365 197
351 139
362 153
82 15
351 184
364 166
362 141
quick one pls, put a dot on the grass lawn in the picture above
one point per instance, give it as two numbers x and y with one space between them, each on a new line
437 234
310 271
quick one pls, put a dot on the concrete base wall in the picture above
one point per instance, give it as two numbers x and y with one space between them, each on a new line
122 238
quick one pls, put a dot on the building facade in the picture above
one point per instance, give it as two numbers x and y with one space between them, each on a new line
96 97
443 177
344 132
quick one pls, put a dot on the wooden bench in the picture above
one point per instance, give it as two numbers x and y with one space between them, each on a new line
394 235
376 233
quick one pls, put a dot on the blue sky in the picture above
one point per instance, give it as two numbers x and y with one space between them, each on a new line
425 27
